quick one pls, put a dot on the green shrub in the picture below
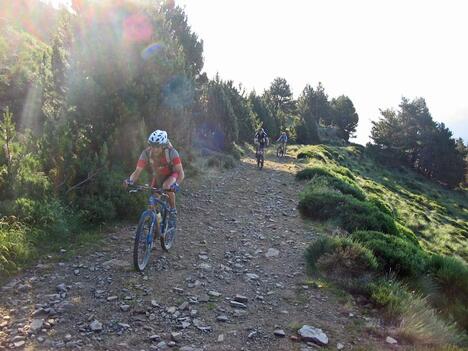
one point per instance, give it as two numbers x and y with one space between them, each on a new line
394 253
389 294
341 183
346 187
309 173
349 212
321 205
407 234
360 215
381 205
421 324
319 247
345 172
451 275
340 253
15 249
418 322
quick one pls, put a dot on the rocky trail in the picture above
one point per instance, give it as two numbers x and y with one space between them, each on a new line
235 280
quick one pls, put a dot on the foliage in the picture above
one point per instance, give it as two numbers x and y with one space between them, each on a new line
331 179
344 116
323 246
418 322
279 96
395 254
264 113
347 211
412 136
14 248
309 107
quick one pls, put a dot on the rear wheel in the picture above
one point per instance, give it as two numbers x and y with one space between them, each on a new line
279 152
143 241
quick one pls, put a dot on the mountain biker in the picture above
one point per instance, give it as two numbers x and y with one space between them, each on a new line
283 139
165 165
261 139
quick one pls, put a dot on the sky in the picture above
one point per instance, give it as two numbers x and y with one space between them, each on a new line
373 51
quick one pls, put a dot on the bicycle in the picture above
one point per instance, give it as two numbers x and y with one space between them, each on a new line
260 157
280 150
152 220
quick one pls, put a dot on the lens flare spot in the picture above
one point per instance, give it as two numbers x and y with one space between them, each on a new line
151 50
137 28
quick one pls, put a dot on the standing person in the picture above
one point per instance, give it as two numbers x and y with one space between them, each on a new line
283 139
165 165
261 139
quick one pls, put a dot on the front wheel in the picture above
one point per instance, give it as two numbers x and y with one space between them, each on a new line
143 240
168 232
260 161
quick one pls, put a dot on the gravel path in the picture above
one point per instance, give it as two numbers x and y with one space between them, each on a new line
235 280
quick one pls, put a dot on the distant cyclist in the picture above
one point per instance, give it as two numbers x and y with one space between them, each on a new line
283 139
261 139
165 165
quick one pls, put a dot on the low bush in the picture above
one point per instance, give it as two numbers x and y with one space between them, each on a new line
381 205
362 215
342 183
345 172
407 234
418 322
349 212
309 173
451 277
340 253
389 294
14 246
394 253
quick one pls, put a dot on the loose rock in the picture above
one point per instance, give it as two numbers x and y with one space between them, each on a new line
309 333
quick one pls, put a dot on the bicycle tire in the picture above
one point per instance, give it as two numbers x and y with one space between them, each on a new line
144 229
279 152
167 235
262 160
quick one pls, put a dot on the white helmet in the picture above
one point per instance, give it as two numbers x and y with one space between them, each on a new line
158 137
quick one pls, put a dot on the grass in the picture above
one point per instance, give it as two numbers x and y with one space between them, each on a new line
419 223
438 216
21 246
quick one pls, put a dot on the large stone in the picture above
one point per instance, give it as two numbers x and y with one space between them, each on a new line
19 344
279 333
222 318
390 340
272 253
252 276
214 293
116 263
241 298
36 324
61 288
95 326
316 335
205 266
236 304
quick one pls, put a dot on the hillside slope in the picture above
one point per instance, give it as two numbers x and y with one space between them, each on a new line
239 234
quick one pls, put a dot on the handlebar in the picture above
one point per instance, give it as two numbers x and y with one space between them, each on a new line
139 187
